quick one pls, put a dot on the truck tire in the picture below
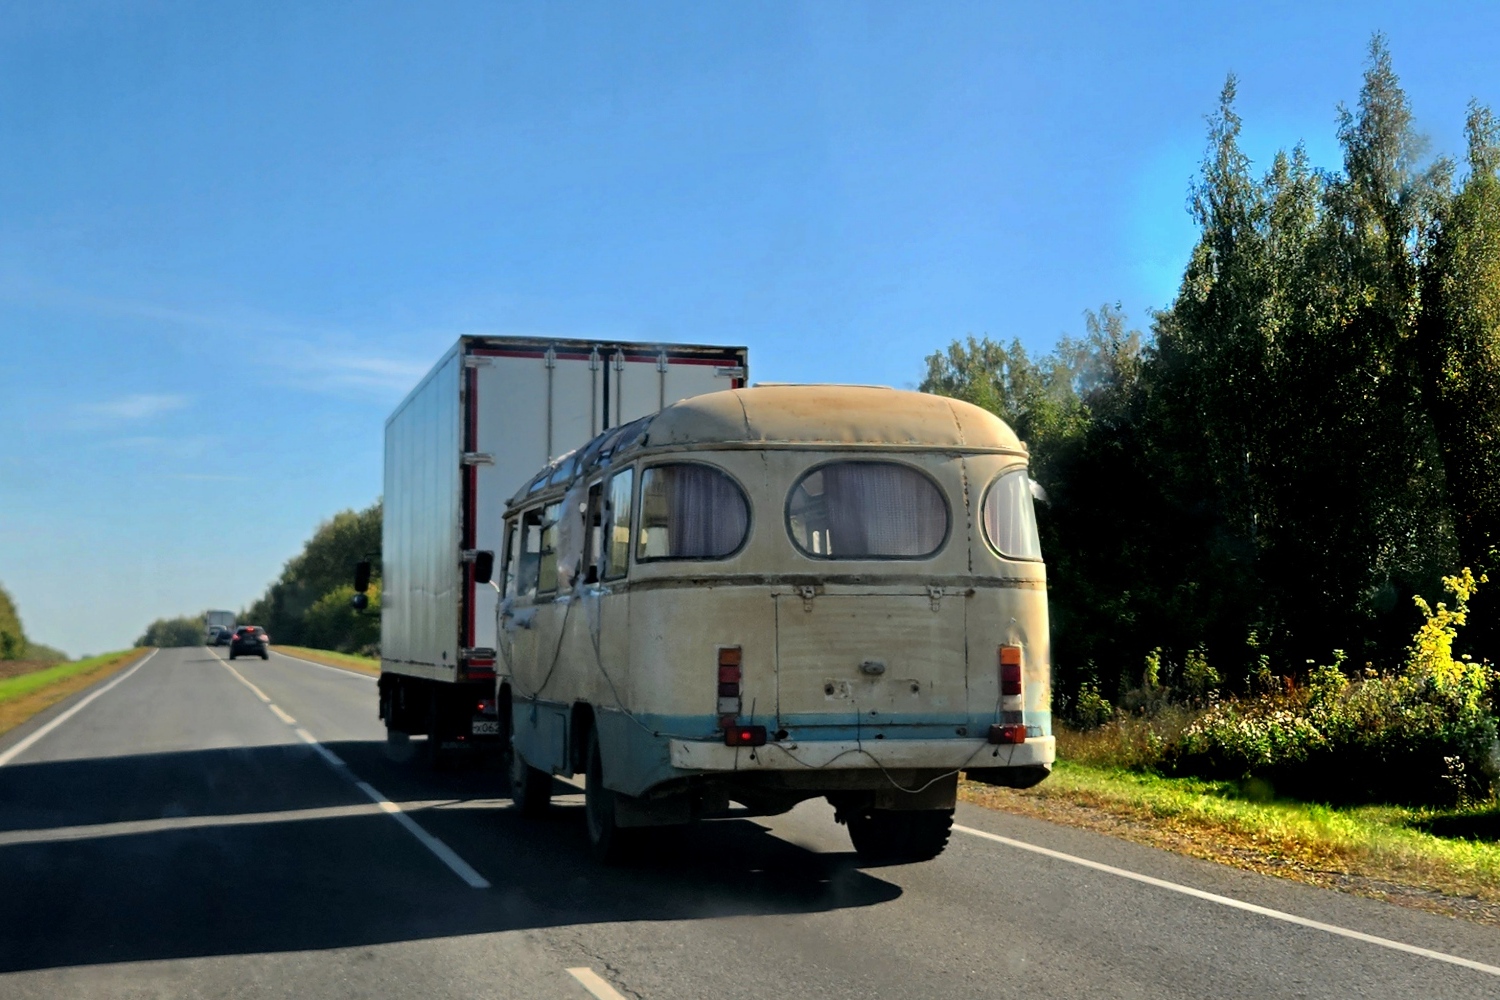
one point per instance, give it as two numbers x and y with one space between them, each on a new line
530 789
610 842
887 836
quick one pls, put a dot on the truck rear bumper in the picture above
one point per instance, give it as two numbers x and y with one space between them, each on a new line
791 755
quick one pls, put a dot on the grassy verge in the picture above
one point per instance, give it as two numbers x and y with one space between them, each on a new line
24 695
360 664
1388 852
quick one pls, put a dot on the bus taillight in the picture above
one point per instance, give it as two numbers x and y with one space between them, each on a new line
1010 679
729 686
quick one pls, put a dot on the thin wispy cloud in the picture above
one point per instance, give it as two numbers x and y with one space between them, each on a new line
137 406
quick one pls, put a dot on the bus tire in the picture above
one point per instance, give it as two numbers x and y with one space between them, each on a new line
887 836
610 842
530 789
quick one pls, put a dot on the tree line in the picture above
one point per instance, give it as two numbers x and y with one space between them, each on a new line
14 645
1307 437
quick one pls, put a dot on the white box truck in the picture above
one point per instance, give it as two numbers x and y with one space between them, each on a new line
490 413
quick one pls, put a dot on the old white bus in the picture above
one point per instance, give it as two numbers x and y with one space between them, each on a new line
764 595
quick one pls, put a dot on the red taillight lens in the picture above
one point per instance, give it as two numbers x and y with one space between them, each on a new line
1008 732
745 736
1010 670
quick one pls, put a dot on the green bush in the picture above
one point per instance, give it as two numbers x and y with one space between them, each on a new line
1091 709
332 623
1424 734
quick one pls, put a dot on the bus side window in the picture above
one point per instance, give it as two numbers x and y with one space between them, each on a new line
593 523
617 524
508 565
529 565
546 577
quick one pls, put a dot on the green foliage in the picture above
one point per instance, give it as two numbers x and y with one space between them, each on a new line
170 632
308 605
12 635
332 623
1091 709
1311 429
39 653
1426 733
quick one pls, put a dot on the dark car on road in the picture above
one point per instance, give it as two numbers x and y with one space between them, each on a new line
250 640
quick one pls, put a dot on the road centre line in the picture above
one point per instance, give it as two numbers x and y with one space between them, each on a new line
442 851
1237 904
28 742
595 983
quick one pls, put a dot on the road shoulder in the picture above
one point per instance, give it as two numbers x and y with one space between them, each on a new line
25 713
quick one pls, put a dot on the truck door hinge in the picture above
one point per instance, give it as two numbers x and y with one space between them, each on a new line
808 593
474 361
935 597
729 371
478 458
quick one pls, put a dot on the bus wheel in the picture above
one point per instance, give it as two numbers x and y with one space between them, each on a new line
884 836
611 842
530 789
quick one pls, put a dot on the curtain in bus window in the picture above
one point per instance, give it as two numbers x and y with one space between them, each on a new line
868 510
1010 518
691 511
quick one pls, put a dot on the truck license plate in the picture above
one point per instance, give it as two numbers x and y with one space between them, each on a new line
486 727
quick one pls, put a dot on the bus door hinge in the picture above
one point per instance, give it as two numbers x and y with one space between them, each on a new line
478 458
808 593
935 597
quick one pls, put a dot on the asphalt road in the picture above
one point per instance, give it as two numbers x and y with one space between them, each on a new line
193 833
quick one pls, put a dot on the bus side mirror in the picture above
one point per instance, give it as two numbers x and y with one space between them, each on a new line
362 576
360 602
484 566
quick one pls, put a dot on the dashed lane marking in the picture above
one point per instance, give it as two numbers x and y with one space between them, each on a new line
1237 904
28 742
442 851
595 983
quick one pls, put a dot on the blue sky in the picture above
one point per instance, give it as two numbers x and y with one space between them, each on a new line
233 234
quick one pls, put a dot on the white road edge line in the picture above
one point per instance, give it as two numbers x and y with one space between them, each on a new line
323 666
595 983
444 853
1264 911
28 742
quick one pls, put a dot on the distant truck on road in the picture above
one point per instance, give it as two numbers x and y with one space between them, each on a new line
490 413
215 622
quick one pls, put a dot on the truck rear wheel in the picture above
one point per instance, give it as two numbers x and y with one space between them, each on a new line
887 836
530 789
610 842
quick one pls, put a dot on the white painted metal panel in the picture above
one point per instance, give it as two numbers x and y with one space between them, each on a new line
685 379
420 537
572 408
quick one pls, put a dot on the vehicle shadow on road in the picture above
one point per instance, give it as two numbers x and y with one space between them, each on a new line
212 875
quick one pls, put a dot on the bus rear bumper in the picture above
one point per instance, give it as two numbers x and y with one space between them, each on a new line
793 755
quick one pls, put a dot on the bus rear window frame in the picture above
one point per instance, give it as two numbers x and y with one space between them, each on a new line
786 518
984 527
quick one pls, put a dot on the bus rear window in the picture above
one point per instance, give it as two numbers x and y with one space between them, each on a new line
690 511
1009 517
867 510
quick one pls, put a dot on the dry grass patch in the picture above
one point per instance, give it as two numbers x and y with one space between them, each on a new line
1379 851
24 694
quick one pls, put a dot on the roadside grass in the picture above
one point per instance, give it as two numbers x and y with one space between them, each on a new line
1441 860
24 695
360 664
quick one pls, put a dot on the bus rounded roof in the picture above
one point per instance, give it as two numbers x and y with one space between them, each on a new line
829 414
